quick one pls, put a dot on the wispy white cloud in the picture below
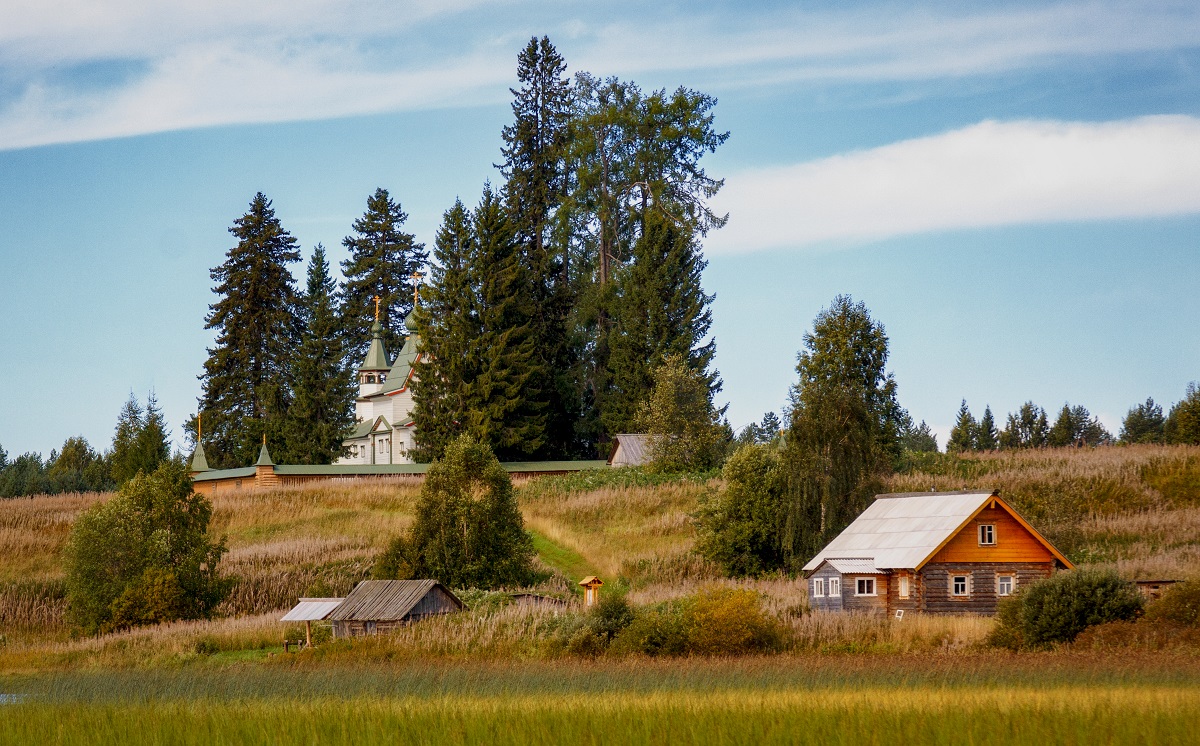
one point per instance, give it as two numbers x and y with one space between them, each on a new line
225 61
988 174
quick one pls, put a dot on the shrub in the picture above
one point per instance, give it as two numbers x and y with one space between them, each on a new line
688 435
1057 609
610 616
1179 605
144 556
721 621
468 531
1007 632
740 527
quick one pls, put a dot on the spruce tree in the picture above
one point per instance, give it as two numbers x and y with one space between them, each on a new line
986 437
662 310
382 260
1144 423
446 320
964 433
322 411
536 171
154 441
1027 428
245 388
124 451
504 411
1183 422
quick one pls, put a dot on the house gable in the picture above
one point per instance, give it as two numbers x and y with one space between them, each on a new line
1015 540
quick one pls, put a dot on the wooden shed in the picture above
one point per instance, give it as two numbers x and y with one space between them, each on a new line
381 605
311 610
934 552
631 449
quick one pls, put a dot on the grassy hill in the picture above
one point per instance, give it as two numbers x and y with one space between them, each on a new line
1136 509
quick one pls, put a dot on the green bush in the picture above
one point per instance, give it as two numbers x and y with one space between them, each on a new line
721 621
1180 605
740 527
1058 608
145 556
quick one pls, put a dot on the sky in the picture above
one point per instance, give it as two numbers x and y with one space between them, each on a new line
1013 189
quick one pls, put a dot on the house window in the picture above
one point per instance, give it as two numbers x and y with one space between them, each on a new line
835 586
959 585
903 586
818 588
1004 585
987 534
865 587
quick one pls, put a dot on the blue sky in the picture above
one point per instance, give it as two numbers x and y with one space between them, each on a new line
1012 188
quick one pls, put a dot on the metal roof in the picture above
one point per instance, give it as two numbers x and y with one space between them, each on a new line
264 456
376 356
855 565
902 531
397 378
199 462
312 609
385 600
633 447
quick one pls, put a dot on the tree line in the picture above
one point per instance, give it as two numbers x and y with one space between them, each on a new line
1029 427
141 443
546 308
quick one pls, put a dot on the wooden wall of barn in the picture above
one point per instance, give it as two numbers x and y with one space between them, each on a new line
936 595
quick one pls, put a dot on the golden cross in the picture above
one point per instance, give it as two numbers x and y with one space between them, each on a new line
264 439
199 426
377 308
416 277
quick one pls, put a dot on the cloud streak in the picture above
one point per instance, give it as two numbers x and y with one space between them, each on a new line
988 174
225 62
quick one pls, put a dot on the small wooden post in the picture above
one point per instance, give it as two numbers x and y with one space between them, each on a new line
307 634
591 590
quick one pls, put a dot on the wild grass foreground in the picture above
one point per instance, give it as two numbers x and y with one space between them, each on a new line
977 698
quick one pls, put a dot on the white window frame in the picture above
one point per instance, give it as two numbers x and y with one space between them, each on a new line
966 578
858 586
903 588
987 534
835 587
818 590
1012 584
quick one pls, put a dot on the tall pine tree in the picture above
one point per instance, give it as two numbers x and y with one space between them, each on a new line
382 260
986 437
662 310
322 410
537 177
245 388
963 434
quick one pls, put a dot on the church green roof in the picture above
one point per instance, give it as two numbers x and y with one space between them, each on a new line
398 377
199 462
376 355
264 456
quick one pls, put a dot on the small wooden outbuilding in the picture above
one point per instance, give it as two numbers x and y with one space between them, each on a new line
381 605
311 610
931 552
631 449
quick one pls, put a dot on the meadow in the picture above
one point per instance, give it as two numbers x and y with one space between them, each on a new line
474 676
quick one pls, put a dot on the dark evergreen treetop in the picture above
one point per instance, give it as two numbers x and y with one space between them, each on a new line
383 259
964 434
322 411
662 310
986 437
245 391
1144 423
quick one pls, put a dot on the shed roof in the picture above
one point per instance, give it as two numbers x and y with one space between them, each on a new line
312 609
854 566
634 448
902 531
385 600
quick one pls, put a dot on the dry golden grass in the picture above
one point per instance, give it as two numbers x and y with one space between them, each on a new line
33 532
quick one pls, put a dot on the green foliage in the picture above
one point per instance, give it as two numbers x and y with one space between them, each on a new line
1027 428
478 340
322 411
382 261
1180 604
1143 423
844 430
964 434
685 429
396 562
740 528
762 433
78 468
1183 423
536 170
145 555
24 475
140 443
719 621
1008 631
1056 609
986 437
1075 426
468 531
246 391
661 310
